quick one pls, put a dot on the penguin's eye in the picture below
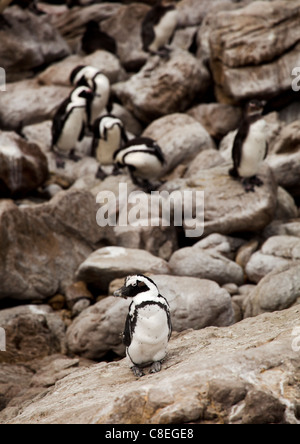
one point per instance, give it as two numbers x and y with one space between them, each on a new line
135 284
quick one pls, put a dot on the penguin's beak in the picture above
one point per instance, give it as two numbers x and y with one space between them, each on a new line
121 293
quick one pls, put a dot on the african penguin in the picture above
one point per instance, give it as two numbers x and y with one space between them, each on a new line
250 146
158 28
108 137
144 159
69 123
94 39
148 325
99 83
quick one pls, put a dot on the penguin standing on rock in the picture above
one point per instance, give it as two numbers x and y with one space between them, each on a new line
144 159
148 325
93 78
69 123
108 137
158 28
250 146
94 39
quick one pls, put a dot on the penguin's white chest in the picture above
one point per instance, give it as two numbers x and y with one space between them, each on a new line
71 130
164 30
150 337
254 150
106 148
147 166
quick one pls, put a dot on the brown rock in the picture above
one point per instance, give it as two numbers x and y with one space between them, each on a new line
23 167
244 373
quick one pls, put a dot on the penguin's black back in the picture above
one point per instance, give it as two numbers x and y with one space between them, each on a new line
150 143
239 140
59 120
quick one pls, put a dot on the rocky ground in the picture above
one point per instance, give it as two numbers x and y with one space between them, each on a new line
234 291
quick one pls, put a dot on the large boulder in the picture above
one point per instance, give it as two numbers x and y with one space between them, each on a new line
206 263
28 41
242 374
32 331
164 87
243 65
180 137
194 303
276 252
109 263
278 290
227 207
42 246
23 166
27 102
284 157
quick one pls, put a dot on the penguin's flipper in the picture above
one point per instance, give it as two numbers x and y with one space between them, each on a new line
127 331
58 121
82 133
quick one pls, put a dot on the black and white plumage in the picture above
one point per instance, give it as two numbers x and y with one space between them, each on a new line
144 159
250 146
148 325
158 28
109 136
99 83
69 122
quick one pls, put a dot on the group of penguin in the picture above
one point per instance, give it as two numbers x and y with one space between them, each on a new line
148 325
88 111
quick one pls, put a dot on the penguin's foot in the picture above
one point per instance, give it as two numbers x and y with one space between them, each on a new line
155 367
138 373
116 171
248 186
256 181
60 163
101 174
73 156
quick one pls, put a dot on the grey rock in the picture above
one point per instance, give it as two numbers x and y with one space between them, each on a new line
276 252
194 303
240 374
227 207
27 102
32 331
175 131
242 72
218 119
284 158
163 87
59 73
23 166
206 264
109 263
36 239
29 42
278 290
125 27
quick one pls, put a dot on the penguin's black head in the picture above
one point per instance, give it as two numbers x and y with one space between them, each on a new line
135 285
255 107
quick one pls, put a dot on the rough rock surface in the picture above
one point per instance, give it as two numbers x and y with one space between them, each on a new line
109 263
163 87
194 303
23 167
180 137
34 241
243 374
28 41
228 209
243 65
31 331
